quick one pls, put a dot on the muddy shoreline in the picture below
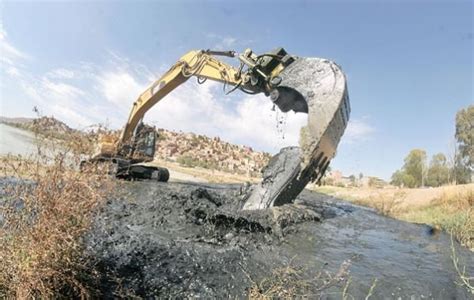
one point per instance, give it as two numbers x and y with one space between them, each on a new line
192 240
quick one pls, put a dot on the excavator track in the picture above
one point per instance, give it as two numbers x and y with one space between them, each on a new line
317 87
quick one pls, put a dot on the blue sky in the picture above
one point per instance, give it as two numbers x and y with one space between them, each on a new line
409 66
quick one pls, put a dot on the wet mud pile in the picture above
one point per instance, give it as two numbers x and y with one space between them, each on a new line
193 240
188 240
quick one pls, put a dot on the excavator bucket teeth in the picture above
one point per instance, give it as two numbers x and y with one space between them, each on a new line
317 87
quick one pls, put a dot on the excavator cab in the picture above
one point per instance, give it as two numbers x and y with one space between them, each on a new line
143 146
132 158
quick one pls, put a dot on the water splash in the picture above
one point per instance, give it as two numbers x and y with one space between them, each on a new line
281 124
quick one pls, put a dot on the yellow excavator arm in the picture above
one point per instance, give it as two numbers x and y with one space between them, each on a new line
194 63
314 86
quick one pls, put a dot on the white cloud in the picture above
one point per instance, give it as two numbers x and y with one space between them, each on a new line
256 123
71 113
227 43
120 87
60 73
203 109
64 101
11 58
60 89
358 130
13 71
8 52
222 42
5 60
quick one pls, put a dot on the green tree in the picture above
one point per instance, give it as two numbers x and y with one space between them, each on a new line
465 134
397 178
415 166
187 161
376 182
402 179
438 172
413 171
352 178
464 160
461 173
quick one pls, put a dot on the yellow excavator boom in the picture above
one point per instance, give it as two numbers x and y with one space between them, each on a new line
193 63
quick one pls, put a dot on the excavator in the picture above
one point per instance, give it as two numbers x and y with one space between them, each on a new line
314 86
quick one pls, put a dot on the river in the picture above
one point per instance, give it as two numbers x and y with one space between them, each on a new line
16 141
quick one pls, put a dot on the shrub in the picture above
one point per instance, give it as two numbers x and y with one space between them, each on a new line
288 283
44 214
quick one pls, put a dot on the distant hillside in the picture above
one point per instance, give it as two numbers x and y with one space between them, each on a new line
42 125
8 120
187 149
51 124
194 150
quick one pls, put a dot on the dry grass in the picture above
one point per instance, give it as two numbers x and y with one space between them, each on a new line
46 212
465 279
453 212
289 282
387 206
449 208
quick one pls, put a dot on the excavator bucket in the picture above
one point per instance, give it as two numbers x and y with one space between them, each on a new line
317 87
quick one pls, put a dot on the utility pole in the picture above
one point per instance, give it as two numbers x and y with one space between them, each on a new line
422 174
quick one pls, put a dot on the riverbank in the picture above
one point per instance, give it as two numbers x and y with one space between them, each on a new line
450 208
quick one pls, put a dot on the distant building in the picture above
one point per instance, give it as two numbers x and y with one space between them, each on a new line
336 178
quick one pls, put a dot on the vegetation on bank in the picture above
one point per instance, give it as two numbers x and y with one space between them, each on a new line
453 212
47 206
289 281
449 208
191 162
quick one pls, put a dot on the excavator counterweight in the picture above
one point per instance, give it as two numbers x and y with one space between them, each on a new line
304 85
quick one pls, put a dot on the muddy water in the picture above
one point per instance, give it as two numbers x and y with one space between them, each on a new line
409 261
192 240
16 141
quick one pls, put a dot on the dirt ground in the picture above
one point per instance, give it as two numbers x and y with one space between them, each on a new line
204 175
